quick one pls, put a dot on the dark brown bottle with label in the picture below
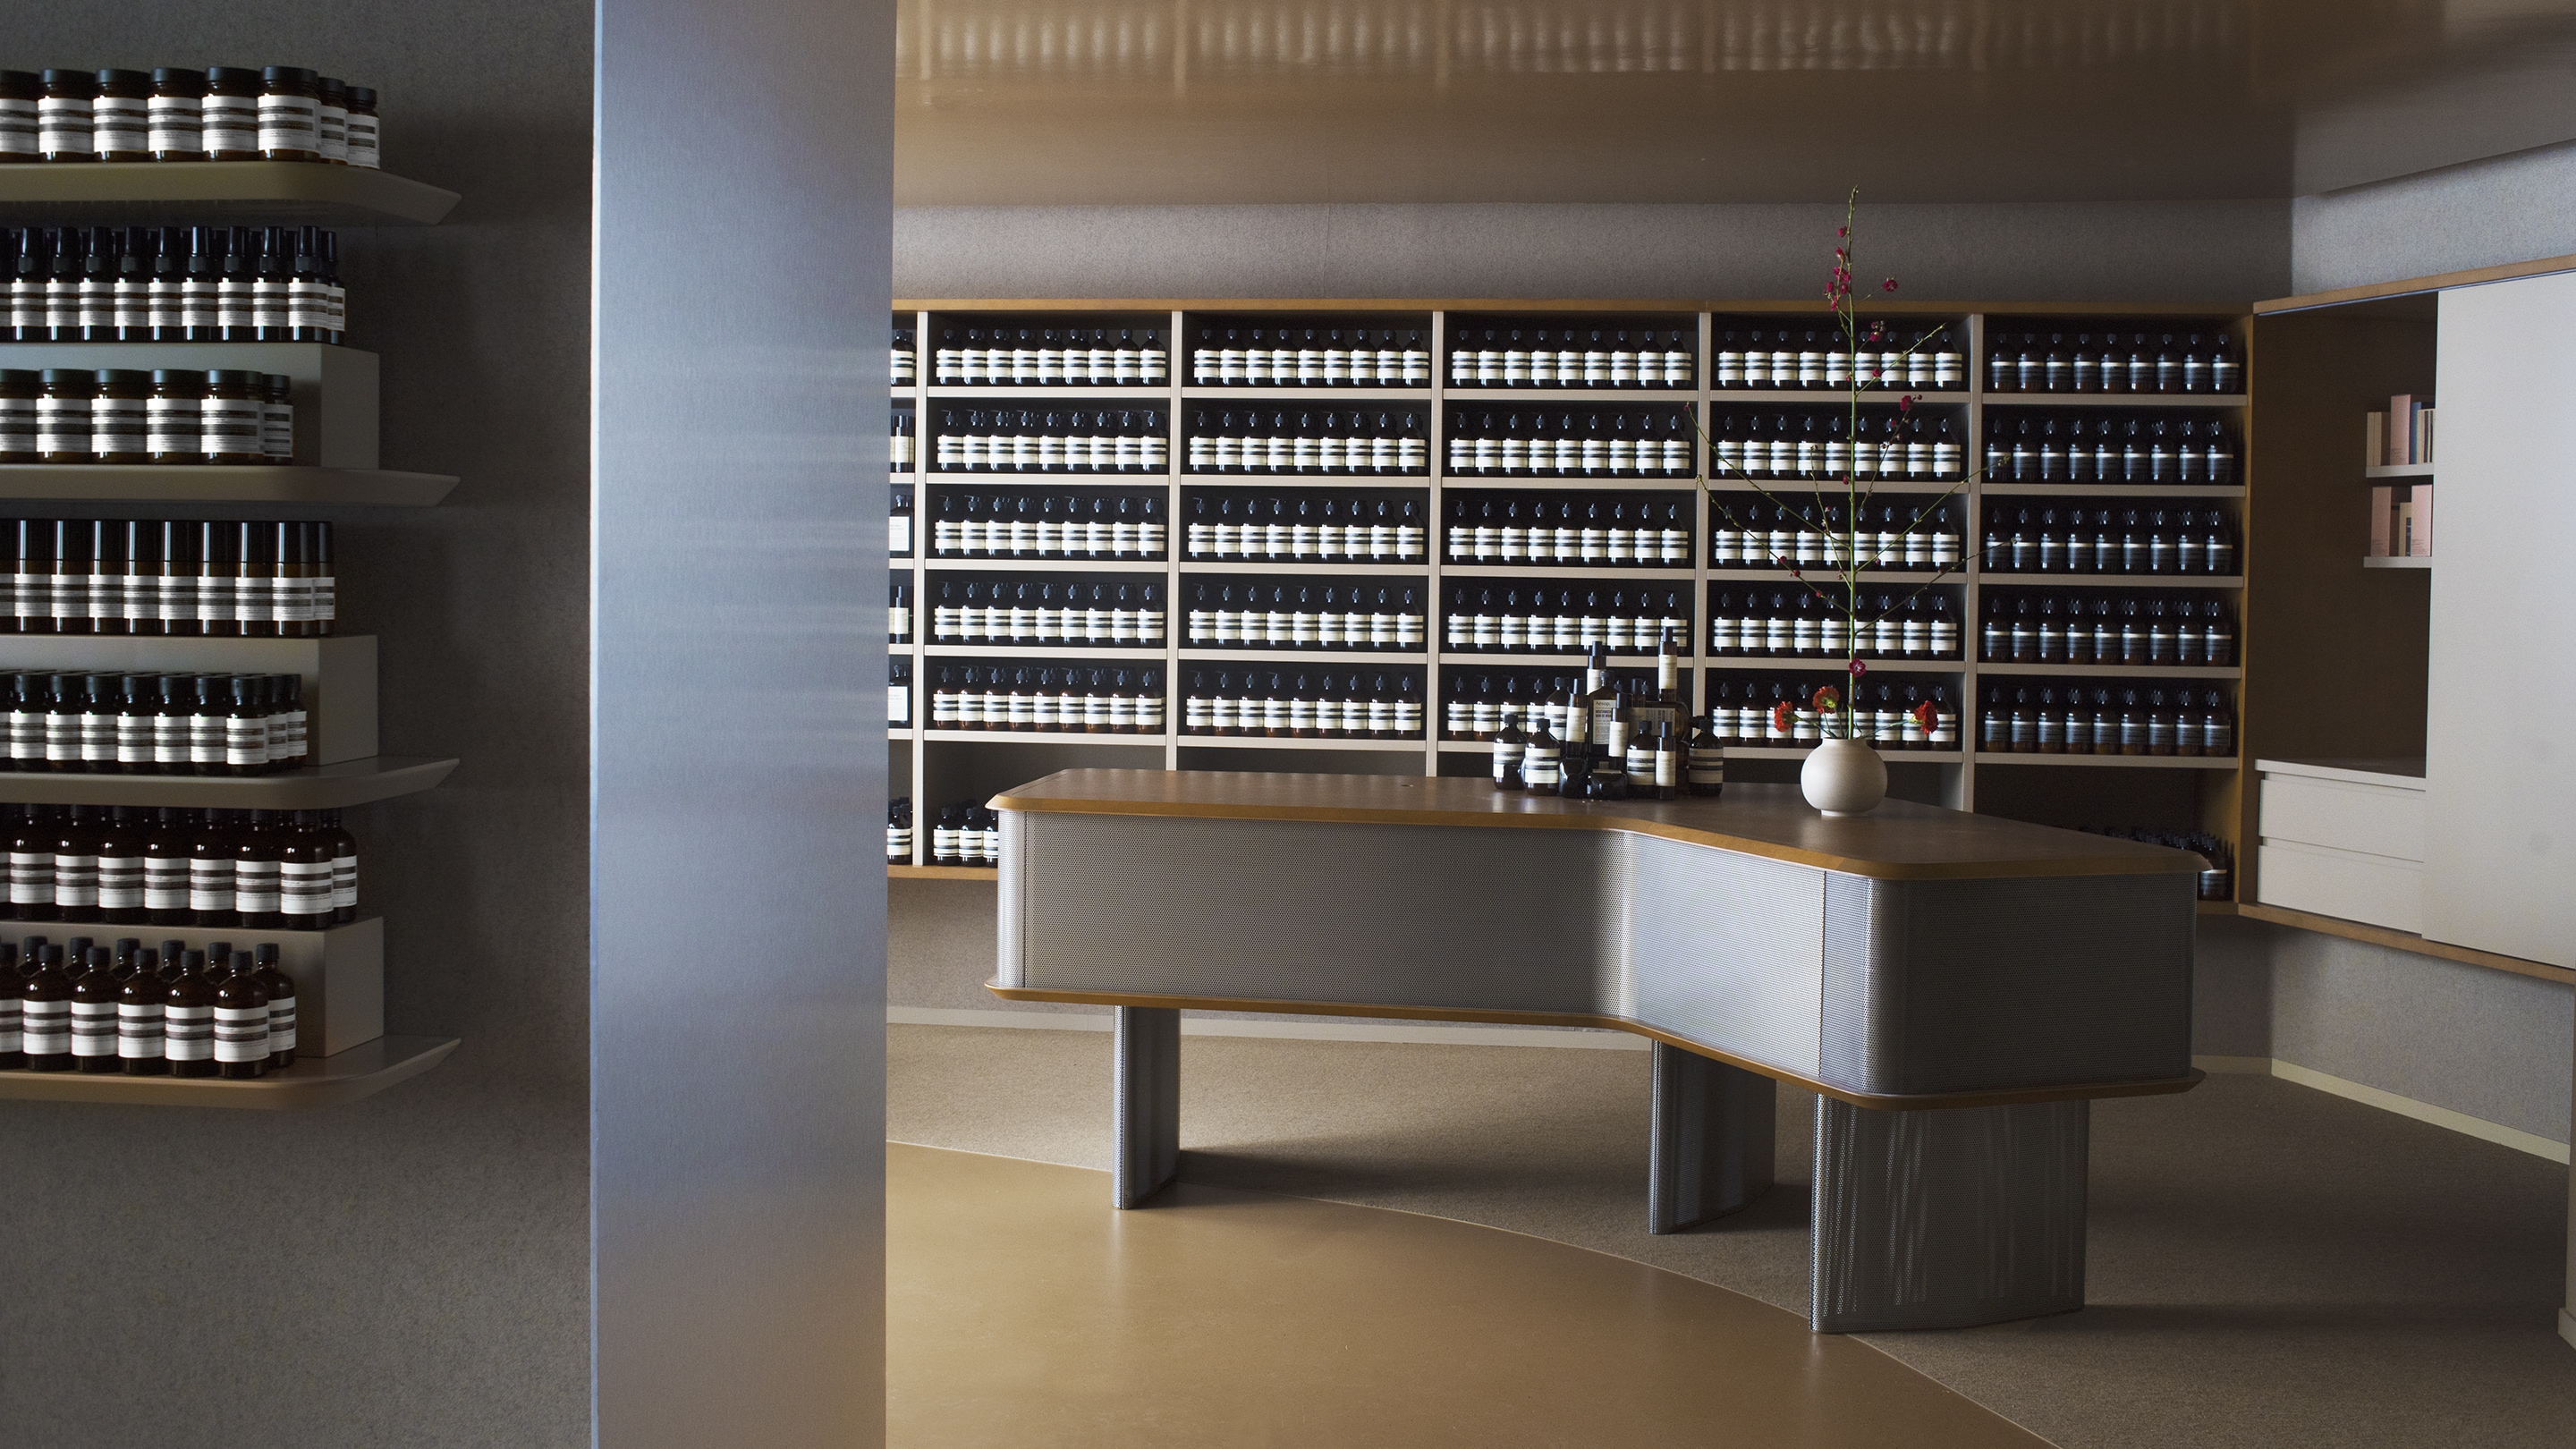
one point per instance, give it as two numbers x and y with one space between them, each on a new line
188 1019
142 1004
256 872
210 871
94 997
281 1006
241 1021
45 1013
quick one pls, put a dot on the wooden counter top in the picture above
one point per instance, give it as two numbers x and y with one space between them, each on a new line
1897 841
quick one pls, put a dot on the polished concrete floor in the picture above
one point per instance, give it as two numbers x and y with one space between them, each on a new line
1023 1311
2270 1266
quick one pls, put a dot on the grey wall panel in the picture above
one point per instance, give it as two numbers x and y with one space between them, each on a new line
2199 251
422 1270
2486 213
744 177
2488 1043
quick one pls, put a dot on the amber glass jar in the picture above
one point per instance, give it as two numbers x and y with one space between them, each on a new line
63 415
231 113
174 417
117 413
233 416
178 115
120 116
290 114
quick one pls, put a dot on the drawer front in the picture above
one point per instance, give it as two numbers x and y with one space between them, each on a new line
2372 889
2372 819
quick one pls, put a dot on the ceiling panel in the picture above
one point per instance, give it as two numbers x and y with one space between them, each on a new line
1071 102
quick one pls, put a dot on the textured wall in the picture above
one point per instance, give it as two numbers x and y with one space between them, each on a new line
412 1269
2203 251
2485 213
2488 1043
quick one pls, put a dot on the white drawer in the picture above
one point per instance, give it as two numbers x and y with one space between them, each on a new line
2374 889
2372 819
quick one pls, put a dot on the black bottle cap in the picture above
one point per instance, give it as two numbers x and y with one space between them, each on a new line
123 377
231 75
71 376
20 377
77 82
126 78
293 75
20 85
179 78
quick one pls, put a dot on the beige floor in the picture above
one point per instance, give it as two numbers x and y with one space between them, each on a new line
1023 1311
2270 1266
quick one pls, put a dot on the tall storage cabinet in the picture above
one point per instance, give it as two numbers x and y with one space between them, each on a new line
2500 776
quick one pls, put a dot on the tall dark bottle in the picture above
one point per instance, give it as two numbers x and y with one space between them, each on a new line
94 1026
188 1020
141 1003
241 1022
45 1013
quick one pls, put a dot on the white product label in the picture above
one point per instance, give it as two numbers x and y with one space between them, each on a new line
303 887
171 425
47 1027
210 885
281 1023
344 882
17 429
290 123
138 1030
255 885
116 425
93 1028
76 880
165 883
120 123
17 127
363 141
175 124
232 426
120 882
241 1033
188 1033
62 124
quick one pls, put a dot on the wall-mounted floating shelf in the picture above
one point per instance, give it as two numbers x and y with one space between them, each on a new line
942 872
328 787
2398 470
222 483
245 192
361 1071
2402 561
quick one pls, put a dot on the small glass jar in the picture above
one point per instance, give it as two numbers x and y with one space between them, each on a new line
117 416
18 389
62 116
277 418
231 113
290 114
121 116
20 90
63 406
177 112
333 118
232 416
173 418
366 140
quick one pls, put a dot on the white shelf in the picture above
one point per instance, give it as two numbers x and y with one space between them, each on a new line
2113 762
2122 581
2114 399
2399 470
1258 566
1834 663
2402 561
1009 564
1300 392
1875 395
1602 572
2139 671
1069 391
1047 737
1118 653
1336 656
2179 492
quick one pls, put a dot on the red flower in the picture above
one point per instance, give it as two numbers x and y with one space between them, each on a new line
1905 404
1926 716
1826 701
1889 284
1780 717
1858 669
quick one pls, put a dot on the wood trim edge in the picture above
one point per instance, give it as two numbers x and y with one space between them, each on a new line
2509 271
1846 865
1926 1102
2404 941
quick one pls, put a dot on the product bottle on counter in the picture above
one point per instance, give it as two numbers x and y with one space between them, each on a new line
1707 768
93 1014
1510 747
281 1005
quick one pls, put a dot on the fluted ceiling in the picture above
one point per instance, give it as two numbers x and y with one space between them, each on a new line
1070 102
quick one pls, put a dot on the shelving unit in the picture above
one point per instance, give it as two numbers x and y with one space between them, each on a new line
336 464
942 770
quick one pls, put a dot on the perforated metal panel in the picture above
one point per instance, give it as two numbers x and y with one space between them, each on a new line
1946 1219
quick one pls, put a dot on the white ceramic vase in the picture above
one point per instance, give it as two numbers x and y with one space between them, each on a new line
1844 777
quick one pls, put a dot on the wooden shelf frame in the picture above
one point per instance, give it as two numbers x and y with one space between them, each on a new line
2217 796
247 192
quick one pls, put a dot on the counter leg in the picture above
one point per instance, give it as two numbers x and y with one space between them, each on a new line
1946 1219
1711 1143
1147 1150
